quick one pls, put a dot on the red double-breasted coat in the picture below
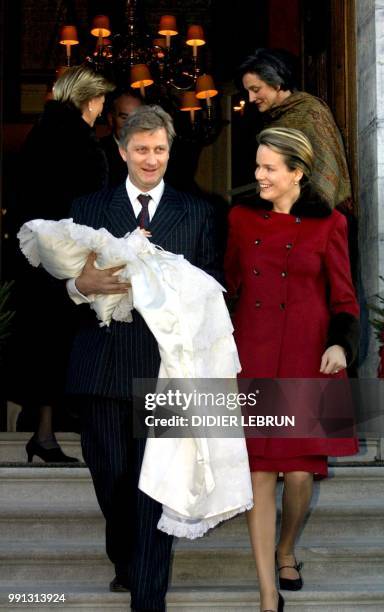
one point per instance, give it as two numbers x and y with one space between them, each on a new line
293 275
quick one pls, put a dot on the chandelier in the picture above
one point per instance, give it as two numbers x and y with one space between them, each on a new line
166 69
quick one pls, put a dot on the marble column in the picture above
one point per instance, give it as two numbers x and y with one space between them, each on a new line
370 81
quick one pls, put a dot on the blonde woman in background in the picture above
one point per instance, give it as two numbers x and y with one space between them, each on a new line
61 160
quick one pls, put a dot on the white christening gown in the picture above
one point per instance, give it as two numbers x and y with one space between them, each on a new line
200 481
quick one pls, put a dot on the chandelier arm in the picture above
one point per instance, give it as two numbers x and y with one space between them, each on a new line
131 23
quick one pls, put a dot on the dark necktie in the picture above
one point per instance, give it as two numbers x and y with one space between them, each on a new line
143 216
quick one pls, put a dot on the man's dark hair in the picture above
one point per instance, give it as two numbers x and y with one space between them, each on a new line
274 66
147 118
128 91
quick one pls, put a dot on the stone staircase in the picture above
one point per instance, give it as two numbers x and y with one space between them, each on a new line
52 541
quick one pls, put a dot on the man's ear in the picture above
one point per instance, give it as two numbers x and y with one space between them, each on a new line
123 153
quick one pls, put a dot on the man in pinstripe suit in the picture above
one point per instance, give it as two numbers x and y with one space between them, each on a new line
105 360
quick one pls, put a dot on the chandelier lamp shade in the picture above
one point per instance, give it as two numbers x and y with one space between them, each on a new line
205 88
163 67
195 38
190 103
167 28
68 37
101 27
140 77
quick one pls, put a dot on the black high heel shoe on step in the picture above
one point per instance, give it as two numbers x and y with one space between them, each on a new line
280 605
49 455
290 584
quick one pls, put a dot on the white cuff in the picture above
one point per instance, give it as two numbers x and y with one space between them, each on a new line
76 296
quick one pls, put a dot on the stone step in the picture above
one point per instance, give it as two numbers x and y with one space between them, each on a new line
12 448
47 521
52 541
347 522
323 565
57 503
64 484
202 566
357 483
82 598
29 484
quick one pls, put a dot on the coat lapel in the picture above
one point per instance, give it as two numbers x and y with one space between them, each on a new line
120 213
122 219
169 213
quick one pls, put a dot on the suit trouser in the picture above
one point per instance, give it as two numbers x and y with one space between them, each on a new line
141 553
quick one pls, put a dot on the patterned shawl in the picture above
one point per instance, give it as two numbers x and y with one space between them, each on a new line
313 117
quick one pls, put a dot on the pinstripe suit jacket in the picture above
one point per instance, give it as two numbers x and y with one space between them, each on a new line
105 360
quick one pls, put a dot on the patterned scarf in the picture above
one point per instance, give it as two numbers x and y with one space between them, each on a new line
312 116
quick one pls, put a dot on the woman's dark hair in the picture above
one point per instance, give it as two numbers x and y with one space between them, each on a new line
274 66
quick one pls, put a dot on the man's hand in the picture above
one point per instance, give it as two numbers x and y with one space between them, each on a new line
93 280
333 360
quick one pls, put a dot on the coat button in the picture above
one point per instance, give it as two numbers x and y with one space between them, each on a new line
298 220
289 245
267 216
257 241
257 304
256 272
282 306
284 274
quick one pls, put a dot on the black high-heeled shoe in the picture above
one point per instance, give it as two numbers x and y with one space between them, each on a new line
290 584
280 605
49 455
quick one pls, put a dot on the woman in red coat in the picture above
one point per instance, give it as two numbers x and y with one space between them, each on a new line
296 317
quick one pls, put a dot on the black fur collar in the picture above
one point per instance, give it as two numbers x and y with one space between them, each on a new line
309 204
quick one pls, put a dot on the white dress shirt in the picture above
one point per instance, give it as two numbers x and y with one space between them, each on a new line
156 194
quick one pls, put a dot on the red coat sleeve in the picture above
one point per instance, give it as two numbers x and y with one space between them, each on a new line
344 324
342 297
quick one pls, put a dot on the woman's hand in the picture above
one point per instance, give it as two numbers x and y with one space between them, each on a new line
333 360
